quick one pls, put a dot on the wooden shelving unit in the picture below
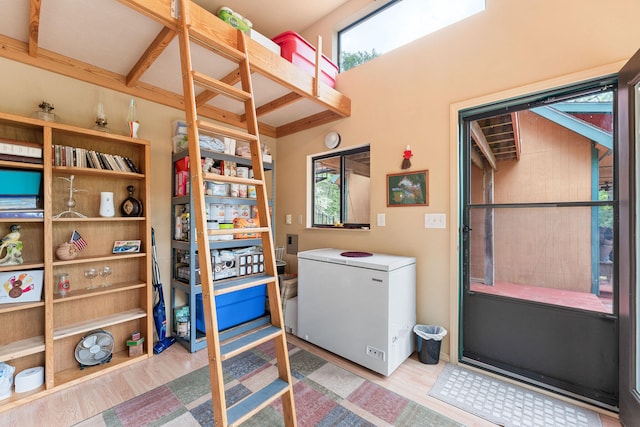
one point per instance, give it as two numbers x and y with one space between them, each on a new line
46 332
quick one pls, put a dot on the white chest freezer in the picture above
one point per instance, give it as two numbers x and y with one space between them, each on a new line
360 307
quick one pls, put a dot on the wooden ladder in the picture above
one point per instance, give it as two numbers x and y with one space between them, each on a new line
222 346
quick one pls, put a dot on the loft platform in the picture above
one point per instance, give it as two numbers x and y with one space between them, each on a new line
131 46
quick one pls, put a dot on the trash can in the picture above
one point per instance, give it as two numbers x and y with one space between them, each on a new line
429 341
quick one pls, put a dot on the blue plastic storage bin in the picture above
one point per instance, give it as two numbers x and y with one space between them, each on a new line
19 183
234 308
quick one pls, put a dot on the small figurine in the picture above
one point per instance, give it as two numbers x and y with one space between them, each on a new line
11 242
406 158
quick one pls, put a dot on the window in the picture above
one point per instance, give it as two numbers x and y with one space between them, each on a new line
341 188
397 23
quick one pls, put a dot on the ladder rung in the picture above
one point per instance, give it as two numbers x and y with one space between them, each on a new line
256 401
225 131
237 284
220 87
232 179
210 42
247 342
244 328
247 230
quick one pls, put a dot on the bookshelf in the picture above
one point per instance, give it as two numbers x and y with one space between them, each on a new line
45 332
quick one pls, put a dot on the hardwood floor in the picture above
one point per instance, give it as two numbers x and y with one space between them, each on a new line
75 404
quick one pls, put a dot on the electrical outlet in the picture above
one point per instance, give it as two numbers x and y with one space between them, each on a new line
287 219
375 353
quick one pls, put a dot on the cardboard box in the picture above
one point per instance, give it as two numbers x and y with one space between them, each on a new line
20 286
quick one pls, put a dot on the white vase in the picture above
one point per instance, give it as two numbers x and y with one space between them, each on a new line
106 204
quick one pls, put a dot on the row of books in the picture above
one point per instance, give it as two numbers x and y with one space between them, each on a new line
20 151
80 157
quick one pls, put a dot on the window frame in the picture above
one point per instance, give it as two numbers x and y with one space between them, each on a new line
343 205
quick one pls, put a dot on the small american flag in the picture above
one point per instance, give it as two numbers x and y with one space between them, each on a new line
78 241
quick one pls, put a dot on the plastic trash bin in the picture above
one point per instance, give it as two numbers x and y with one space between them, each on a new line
429 341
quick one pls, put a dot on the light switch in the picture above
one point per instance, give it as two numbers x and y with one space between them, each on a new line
287 219
381 220
438 220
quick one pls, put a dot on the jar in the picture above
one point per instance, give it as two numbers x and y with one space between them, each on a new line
64 286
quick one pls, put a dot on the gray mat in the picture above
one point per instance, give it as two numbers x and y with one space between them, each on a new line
507 404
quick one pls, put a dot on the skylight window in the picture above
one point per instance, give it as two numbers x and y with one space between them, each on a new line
397 23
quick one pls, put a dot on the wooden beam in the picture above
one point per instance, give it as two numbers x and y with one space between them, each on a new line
515 123
489 262
278 103
483 145
307 123
34 27
152 53
476 159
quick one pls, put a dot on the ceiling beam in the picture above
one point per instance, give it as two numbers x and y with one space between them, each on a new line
483 145
515 123
312 121
34 27
152 53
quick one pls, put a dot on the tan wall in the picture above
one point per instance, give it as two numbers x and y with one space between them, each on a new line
539 247
399 98
404 97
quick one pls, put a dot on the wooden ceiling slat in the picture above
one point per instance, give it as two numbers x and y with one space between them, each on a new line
34 27
152 53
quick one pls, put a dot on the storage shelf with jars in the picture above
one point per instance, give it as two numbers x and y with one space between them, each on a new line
81 284
226 202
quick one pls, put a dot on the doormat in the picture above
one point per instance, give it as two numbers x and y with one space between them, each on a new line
507 404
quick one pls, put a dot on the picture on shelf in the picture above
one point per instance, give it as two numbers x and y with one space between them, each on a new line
126 246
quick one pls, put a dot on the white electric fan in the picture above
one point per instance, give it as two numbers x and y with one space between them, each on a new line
95 348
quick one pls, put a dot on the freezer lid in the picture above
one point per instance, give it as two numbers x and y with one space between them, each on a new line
376 261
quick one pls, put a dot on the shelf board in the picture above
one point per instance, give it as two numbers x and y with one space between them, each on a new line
21 165
91 171
83 260
20 267
74 376
75 294
17 306
101 219
101 322
21 348
21 220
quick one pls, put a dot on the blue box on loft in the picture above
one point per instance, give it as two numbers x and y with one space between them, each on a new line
19 183
234 308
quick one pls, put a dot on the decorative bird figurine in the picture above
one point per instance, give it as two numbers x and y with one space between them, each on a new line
12 236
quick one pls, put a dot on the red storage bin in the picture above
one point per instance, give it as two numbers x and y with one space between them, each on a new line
300 52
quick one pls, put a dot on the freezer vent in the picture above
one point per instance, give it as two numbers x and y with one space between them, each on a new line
375 353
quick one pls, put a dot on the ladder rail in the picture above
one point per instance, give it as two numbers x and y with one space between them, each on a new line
195 166
283 387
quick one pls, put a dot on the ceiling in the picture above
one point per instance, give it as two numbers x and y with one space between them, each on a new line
131 46
272 17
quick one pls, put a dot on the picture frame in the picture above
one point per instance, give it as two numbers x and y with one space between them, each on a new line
408 188
126 246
